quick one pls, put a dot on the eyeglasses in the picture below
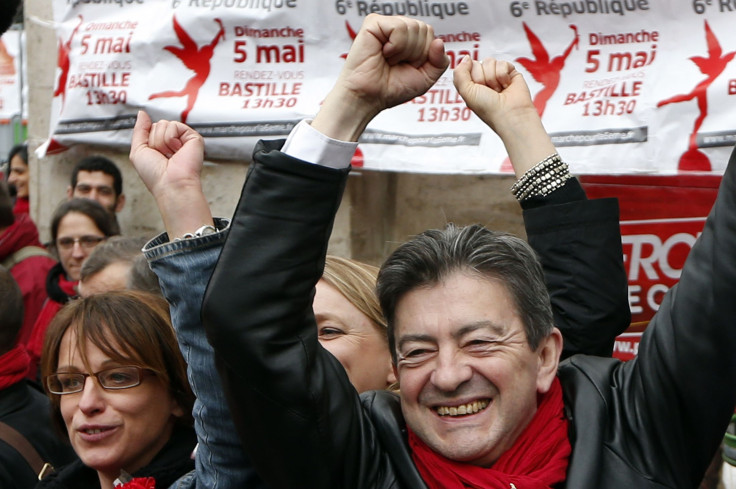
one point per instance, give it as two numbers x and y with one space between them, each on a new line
87 242
110 379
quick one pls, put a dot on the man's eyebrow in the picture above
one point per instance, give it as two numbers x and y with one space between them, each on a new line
102 185
495 328
418 337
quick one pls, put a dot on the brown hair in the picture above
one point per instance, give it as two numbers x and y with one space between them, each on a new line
128 326
103 220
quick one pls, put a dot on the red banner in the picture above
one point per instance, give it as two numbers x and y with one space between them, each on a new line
661 217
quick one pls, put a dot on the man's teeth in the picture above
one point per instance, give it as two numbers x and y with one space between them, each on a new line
93 432
470 408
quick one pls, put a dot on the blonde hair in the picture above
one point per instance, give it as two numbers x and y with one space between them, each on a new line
356 281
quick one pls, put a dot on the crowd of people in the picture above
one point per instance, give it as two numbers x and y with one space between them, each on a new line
235 353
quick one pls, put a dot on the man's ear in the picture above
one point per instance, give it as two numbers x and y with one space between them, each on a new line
391 379
69 192
549 359
120 203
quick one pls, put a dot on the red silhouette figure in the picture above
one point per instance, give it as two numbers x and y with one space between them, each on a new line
7 61
543 69
194 58
64 63
712 67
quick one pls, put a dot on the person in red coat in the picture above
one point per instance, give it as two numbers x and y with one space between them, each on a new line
22 253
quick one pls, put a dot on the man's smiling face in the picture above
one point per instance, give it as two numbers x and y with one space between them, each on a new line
468 378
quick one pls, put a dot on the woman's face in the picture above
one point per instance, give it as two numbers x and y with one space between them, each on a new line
76 238
114 430
357 342
19 175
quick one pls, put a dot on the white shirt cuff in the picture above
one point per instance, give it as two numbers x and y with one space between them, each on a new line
308 144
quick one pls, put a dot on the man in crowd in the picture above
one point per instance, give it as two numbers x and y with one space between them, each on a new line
117 264
484 401
98 178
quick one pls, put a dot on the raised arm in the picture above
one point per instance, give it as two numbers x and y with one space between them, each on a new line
391 61
297 413
577 240
168 156
499 96
684 372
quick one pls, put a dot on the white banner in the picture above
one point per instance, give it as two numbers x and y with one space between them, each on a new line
11 67
623 86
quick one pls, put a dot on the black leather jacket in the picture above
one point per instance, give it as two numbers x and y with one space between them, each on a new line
652 422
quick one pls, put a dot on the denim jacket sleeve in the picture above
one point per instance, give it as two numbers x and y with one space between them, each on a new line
184 268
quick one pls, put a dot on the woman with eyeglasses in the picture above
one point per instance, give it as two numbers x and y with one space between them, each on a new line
118 387
77 226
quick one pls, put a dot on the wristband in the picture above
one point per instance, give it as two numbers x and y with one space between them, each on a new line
203 231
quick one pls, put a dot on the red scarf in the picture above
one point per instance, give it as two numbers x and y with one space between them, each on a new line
13 366
49 310
537 460
137 483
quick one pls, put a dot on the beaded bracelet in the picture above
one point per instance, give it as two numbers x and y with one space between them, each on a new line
542 179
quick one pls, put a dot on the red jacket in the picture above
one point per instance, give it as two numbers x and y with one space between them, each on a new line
22 206
30 273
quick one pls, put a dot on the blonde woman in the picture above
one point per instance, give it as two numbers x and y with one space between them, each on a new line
350 324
